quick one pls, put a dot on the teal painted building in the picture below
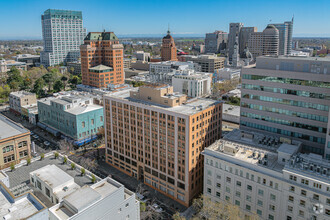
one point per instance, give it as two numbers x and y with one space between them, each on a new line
74 116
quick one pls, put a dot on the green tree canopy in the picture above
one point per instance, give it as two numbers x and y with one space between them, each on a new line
58 86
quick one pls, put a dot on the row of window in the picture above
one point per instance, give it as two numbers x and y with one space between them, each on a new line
288 81
285 112
287 102
287 91
284 122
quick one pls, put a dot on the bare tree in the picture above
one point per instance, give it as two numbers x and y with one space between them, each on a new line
88 163
66 146
207 209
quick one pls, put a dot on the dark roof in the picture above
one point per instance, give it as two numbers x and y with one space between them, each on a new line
101 36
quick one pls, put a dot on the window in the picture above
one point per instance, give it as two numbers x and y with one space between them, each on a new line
237 203
248 198
47 191
227 189
316 197
290 208
260 192
303 181
92 121
218 194
238 194
209 190
83 124
292 188
260 203
302 203
228 179
303 192
247 207
272 207
291 199
301 213
294 178
259 212
218 185
270 217
238 183
272 197
248 187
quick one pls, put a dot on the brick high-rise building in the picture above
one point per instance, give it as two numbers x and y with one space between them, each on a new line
168 50
102 60
157 136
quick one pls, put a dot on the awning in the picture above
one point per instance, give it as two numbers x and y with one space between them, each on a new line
41 125
85 141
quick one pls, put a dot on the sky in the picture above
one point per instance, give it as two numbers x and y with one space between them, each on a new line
21 19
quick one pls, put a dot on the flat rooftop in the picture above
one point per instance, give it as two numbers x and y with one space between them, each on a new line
191 107
21 93
10 128
231 110
83 109
326 59
18 208
252 147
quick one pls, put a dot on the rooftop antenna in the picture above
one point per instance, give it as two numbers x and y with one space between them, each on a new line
168 30
292 18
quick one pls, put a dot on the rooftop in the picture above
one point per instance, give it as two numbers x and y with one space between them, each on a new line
21 93
101 67
191 107
101 36
10 128
21 207
300 58
53 176
254 148
231 109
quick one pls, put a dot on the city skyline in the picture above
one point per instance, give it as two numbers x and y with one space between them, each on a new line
151 18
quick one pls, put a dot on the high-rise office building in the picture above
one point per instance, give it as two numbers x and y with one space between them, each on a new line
264 43
102 60
216 41
208 63
168 50
285 37
244 36
234 30
62 33
289 96
157 136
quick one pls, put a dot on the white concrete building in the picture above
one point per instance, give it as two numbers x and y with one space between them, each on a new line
25 206
227 74
191 83
53 183
266 175
106 199
141 55
231 113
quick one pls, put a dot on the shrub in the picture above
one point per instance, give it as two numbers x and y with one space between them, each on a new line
83 171
12 167
93 178
56 154
73 166
65 159
42 156
28 161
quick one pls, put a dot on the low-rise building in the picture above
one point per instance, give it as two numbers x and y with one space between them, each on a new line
29 59
106 199
140 65
231 113
74 116
208 63
74 67
26 206
268 176
141 55
193 84
19 99
227 74
15 142
6 65
127 64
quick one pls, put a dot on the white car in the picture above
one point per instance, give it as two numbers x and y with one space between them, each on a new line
36 136
46 143
156 207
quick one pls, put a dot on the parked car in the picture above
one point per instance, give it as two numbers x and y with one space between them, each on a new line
46 143
36 136
156 208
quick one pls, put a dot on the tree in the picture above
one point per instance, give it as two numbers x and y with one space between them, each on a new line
207 209
12 167
75 80
93 178
72 70
64 80
73 165
58 86
56 154
42 156
49 79
65 159
38 87
177 216
14 80
83 171
28 161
